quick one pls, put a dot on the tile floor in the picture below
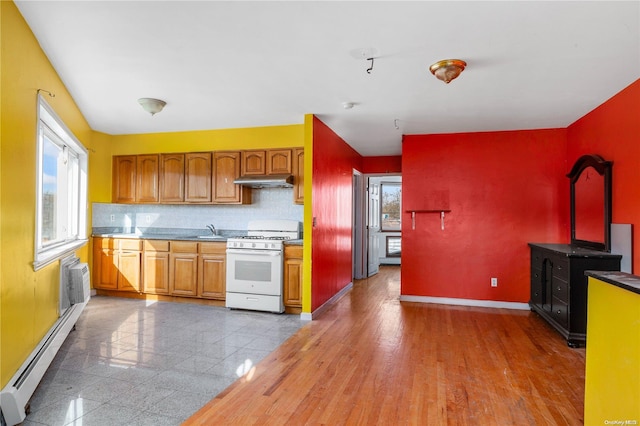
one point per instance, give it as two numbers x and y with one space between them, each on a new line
136 362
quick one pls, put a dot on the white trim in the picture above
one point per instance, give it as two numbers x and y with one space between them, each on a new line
52 255
465 302
326 305
75 236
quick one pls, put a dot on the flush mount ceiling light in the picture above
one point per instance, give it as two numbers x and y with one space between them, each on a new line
152 106
447 69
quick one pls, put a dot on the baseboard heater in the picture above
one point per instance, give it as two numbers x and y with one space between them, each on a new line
74 295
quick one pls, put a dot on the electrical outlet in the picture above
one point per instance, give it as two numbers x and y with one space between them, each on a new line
494 282
113 218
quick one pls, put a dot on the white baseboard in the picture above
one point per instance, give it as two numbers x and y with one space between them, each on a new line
465 302
315 314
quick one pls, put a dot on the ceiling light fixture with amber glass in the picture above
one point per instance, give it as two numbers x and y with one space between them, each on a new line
447 69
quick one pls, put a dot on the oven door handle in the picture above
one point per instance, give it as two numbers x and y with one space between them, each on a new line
271 253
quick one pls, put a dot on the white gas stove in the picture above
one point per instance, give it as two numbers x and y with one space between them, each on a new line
254 265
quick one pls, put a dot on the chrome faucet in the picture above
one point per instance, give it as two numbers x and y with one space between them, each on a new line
212 229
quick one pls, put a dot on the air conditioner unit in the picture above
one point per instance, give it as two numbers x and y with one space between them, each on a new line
79 283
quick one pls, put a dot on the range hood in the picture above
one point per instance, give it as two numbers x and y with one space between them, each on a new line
271 181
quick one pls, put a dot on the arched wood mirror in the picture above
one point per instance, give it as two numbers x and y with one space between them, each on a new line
591 202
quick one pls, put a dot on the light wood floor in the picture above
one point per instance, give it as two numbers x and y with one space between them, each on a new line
373 360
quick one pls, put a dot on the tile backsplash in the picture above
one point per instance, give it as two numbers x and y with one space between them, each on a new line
268 203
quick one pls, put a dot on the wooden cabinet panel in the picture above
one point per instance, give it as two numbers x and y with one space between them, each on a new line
183 268
183 274
105 267
298 175
226 168
147 176
123 188
171 178
293 276
197 178
116 264
254 163
155 267
129 270
279 162
212 276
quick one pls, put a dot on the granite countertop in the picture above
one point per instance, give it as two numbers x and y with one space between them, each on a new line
619 279
181 234
174 234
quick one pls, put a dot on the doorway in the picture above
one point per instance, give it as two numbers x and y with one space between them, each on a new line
377 236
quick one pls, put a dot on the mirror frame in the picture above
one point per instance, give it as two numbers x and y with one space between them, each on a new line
603 168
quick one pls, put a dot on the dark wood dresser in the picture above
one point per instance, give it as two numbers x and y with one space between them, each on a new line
559 286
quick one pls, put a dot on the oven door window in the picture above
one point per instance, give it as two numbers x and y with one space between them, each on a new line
253 270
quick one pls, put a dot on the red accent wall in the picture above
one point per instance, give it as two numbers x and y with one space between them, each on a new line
612 131
504 189
382 164
332 205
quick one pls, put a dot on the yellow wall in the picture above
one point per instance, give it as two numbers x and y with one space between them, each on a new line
308 213
612 378
28 299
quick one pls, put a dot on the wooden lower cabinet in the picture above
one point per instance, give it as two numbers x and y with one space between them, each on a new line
293 276
155 267
183 268
212 271
117 264
178 268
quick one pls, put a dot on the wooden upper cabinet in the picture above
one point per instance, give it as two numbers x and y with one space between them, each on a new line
298 175
254 163
197 177
123 188
226 169
148 172
279 162
171 178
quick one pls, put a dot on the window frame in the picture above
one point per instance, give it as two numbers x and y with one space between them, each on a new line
74 235
382 186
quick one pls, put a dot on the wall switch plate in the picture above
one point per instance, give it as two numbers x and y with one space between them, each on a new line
494 282
113 218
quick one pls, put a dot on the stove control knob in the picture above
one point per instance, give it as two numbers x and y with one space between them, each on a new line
253 245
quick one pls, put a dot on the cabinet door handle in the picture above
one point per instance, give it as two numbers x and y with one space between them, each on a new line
559 311
559 288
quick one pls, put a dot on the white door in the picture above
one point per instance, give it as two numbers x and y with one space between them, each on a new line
373 228
359 226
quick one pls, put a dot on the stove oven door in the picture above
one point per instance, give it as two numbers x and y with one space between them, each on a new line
254 271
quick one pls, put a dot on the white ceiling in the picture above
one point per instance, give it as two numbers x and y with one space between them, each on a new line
531 65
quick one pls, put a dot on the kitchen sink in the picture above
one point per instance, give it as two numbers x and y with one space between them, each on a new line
212 237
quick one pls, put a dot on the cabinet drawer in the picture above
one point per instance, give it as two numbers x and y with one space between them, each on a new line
560 312
536 259
156 245
560 289
213 248
293 252
184 247
560 268
135 245
105 243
